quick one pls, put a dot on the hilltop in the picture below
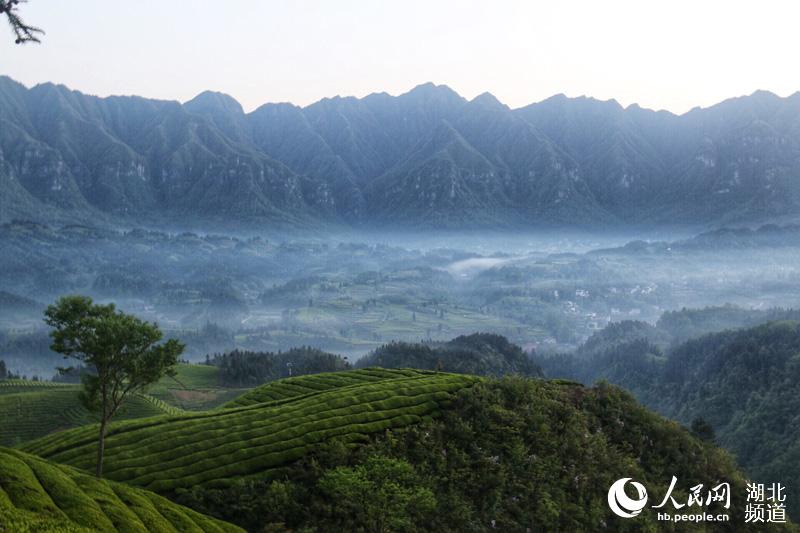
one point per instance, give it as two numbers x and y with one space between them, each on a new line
483 354
505 454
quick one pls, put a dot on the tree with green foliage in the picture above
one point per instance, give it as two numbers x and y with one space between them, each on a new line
24 33
3 370
383 494
122 350
702 429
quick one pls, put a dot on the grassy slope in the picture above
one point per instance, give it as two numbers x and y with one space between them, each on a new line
39 496
212 448
32 409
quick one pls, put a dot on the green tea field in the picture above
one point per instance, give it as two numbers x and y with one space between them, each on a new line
213 448
40 496
31 409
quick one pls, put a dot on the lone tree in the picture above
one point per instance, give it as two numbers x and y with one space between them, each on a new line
23 32
121 349
702 429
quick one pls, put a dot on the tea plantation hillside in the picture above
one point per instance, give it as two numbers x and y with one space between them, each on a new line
413 450
215 448
40 496
510 454
31 409
300 385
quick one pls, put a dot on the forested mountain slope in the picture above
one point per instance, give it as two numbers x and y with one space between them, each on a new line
425 158
745 383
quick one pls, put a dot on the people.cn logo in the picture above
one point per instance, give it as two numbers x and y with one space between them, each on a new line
621 504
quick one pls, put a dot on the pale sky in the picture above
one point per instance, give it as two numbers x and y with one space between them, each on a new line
661 54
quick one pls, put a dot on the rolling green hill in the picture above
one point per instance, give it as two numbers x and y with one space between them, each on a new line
214 448
510 454
32 409
39 496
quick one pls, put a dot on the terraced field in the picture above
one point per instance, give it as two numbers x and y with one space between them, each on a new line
297 386
39 496
32 409
212 448
8 386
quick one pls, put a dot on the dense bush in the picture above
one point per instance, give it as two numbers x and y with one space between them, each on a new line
483 354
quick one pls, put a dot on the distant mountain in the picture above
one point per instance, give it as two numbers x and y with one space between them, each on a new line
722 239
426 158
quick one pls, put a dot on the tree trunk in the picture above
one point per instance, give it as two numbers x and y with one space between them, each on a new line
101 448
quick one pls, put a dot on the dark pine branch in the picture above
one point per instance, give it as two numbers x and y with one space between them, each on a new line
23 32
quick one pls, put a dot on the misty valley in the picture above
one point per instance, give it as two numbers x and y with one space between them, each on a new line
221 292
700 328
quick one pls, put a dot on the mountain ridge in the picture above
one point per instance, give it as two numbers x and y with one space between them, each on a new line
425 158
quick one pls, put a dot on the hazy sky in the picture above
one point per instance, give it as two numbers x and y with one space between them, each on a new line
661 54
